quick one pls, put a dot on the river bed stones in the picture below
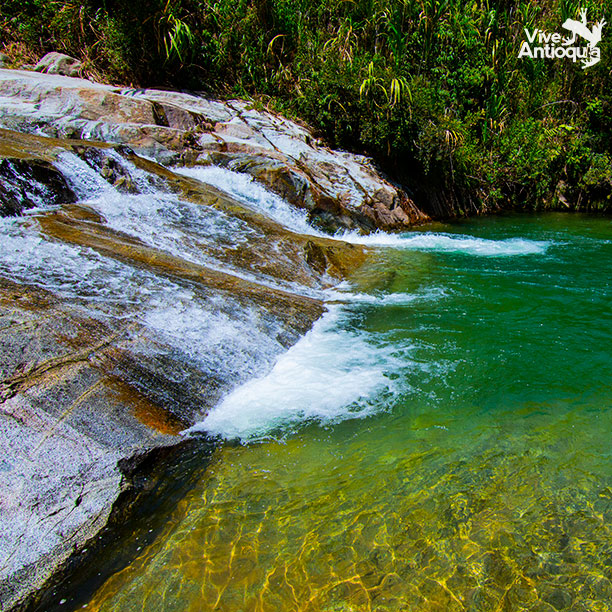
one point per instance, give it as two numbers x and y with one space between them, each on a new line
374 545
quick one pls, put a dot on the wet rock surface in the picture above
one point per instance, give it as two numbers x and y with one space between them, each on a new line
26 183
131 300
339 189
65 426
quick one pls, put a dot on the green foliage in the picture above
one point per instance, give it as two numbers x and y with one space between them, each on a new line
433 88
173 33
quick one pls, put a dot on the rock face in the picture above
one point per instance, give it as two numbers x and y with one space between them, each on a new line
339 189
133 297
64 427
26 183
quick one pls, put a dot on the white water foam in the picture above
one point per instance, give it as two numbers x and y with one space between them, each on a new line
343 294
62 268
330 375
188 230
168 223
83 179
333 373
449 243
244 188
253 195
158 218
217 333
87 181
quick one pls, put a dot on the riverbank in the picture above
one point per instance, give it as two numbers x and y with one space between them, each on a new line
143 278
438 93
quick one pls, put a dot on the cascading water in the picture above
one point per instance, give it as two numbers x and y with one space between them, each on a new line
333 373
437 440
220 334
223 336
253 195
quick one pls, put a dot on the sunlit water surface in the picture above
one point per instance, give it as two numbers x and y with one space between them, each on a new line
441 441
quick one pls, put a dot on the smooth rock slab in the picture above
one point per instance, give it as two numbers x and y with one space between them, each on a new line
65 427
339 189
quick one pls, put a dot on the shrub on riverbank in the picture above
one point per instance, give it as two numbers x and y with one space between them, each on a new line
433 89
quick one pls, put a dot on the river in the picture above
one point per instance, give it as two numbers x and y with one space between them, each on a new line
438 441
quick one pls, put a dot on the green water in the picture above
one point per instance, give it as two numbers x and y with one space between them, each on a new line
482 481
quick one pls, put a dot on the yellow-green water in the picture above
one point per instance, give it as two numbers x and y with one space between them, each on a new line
480 480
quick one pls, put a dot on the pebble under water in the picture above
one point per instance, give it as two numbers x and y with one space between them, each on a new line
440 441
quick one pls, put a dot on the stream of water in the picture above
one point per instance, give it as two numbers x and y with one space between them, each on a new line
439 441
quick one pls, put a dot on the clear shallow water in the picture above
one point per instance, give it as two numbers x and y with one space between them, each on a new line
440 441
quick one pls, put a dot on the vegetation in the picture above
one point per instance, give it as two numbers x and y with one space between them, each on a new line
433 89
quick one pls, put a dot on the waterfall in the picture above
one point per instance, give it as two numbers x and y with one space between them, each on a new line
334 372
